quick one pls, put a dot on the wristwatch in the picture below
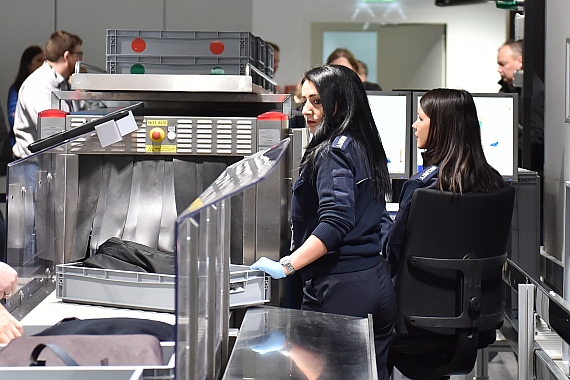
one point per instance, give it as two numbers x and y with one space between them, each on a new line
286 262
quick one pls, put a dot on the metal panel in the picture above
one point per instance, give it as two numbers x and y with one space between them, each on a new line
313 345
162 82
526 331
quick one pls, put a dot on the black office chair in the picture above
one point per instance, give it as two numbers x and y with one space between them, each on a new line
448 283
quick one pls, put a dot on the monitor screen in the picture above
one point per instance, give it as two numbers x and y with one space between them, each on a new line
391 112
498 121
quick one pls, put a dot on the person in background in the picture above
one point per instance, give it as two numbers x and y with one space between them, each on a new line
343 57
276 60
448 129
509 59
338 208
5 156
10 328
32 58
62 51
276 56
363 74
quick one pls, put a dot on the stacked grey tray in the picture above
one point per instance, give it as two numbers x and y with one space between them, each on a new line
149 291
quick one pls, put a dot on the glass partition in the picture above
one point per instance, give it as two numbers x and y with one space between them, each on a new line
203 257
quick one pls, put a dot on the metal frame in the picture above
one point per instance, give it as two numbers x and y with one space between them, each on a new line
534 299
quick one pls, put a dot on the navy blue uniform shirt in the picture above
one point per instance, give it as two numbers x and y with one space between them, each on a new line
337 205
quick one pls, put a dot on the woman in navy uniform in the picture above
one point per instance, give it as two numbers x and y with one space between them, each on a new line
448 129
338 208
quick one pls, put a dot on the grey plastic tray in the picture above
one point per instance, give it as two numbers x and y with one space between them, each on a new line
192 65
96 373
149 291
182 43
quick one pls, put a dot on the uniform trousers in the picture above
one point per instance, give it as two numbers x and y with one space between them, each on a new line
357 294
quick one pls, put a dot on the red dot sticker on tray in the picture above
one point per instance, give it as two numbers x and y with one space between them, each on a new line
138 45
217 47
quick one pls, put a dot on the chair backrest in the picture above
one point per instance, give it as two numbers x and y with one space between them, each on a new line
454 247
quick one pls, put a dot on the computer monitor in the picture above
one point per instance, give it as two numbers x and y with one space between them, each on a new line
498 119
391 111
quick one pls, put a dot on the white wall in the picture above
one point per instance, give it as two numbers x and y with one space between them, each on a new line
27 22
474 33
557 131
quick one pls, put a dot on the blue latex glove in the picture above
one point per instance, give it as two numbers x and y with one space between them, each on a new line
273 268
272 344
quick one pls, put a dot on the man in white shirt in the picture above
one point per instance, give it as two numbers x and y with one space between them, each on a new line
62 51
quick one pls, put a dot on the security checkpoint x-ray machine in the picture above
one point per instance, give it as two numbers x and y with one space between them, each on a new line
71 188
202 248
190 129
67 199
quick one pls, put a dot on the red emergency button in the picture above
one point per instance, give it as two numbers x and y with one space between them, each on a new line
156 134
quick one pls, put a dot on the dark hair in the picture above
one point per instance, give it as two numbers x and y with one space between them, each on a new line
23 71
454 142
59 42
347 111
361 65
342 52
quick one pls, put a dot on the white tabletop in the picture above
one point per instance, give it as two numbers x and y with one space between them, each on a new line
52 310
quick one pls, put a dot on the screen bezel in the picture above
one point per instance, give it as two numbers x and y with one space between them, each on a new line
407 147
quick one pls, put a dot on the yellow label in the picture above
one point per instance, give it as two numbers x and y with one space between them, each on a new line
160 148
196 204
157 123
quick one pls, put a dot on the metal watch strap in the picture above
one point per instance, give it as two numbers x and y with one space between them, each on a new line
286 262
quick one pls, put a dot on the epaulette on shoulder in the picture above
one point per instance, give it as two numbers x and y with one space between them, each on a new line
341 142
428 173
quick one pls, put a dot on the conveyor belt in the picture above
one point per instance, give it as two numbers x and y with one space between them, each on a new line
549 342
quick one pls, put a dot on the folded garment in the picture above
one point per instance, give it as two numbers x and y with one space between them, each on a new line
111 326
126 255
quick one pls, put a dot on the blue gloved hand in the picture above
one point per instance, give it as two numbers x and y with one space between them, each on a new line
273 343
273 268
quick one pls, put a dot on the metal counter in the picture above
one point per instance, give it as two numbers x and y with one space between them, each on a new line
275 343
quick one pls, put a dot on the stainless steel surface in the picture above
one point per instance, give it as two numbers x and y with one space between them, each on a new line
546 368
220 135
526 330
78 171
81 64
202 324
152 97
162 82
271 217
300 138
275 343
29 296
541 321
249 68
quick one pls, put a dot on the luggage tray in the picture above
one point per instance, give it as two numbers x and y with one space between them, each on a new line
149 291
165 372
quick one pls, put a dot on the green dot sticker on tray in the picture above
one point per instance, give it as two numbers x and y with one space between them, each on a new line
138 45
217 71
217 47
137 68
